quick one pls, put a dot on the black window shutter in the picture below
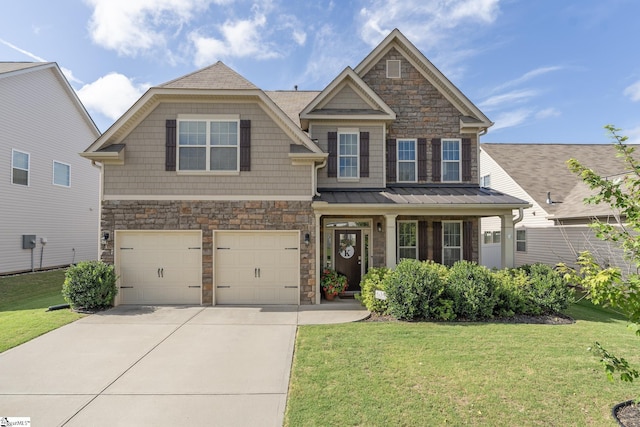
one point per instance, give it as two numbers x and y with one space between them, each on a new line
423 246
422 160
466 159
437 242
364 154
332 161
391 160
435 160
467 241
170 146
245 145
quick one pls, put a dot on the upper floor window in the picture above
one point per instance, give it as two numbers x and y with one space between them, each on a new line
407 164
20 163
348 153
208 144
407 239
485 181
61 174
451 242
451 160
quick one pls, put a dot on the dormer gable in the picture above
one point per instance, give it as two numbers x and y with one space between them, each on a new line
347 97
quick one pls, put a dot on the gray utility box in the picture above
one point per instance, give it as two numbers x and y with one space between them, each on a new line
28 241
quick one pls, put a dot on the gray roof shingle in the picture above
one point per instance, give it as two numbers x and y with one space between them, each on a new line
216 76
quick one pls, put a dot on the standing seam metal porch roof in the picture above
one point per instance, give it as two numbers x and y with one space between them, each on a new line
420 196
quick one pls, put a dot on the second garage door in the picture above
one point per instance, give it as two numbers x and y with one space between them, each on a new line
257 267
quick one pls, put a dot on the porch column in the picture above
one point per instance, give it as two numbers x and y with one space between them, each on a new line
506 241
317 249
390 236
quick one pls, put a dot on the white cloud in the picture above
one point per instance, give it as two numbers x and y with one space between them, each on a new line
500 101
633 134
510 119
527 76
22 51
633 91
99 95
548 113
133 26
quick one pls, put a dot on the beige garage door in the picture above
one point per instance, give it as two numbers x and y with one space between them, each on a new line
257 267
163 267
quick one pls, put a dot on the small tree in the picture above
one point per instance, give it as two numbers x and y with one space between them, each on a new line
607 286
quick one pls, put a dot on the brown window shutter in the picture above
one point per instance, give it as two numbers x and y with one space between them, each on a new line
170 146
364 154
436 161
467 241
423 240
391 160
332 161
437 242
466 159
245 145
422 160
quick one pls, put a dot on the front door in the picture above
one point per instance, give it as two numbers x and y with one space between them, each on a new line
348 257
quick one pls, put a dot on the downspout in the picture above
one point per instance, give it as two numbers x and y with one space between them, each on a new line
315 177
100 167
520 216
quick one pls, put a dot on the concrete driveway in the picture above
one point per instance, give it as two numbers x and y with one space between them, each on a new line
139 366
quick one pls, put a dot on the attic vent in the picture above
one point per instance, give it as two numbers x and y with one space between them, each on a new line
393 68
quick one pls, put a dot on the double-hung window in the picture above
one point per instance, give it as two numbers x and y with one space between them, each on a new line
521 240
407 239
61 174
451 242
407 164
451 160
20 163
208 143
348 153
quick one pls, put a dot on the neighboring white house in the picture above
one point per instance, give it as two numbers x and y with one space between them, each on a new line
555 229
49 208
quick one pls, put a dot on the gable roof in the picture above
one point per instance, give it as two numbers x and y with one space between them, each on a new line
8 67
216 76
378 110
292 101
542 168
471 116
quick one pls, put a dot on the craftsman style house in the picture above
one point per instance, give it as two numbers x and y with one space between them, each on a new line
217 192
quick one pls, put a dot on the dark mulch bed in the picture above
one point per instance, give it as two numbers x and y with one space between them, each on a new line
628 414
550 319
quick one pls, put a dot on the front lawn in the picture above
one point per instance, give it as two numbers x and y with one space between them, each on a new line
478 374
24 300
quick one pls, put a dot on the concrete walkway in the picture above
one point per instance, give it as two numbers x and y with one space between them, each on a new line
142 366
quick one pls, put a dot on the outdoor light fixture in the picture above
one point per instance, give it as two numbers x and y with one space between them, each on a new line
105 236
306 238
379 227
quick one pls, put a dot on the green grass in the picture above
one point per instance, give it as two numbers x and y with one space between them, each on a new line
24 300
431 374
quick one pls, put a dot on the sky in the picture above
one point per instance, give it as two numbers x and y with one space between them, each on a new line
544 71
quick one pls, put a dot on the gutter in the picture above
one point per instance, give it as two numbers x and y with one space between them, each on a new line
520 216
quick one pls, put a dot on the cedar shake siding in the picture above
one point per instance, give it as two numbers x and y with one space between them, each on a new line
145 170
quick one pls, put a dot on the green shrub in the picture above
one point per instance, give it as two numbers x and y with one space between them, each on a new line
473 290
90 285
371 282
413 289
547 291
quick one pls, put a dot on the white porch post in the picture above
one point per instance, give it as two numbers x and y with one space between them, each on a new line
506 241
318 250
390 236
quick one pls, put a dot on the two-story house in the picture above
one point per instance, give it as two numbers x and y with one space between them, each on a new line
49 214
216 192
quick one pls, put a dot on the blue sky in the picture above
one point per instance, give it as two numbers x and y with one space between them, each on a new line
548 71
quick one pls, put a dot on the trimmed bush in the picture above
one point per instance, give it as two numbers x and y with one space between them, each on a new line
473 289
90 285
547 291
511 292
374 281
413 289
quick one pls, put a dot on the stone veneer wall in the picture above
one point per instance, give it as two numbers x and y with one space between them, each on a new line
209 216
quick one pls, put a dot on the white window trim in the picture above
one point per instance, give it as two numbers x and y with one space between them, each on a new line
485 181
459 161
207 118
416 247
13 150
521 240
460 248
414 161
397 65
53 174
349 131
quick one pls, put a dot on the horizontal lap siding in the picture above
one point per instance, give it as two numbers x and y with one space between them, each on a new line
271 170
39 117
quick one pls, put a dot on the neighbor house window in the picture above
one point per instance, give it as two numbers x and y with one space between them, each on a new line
348 154
487 237
451 242
407 239
61 174
20 163
208 144
496 237
451 160
485 181
521 240
407 164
